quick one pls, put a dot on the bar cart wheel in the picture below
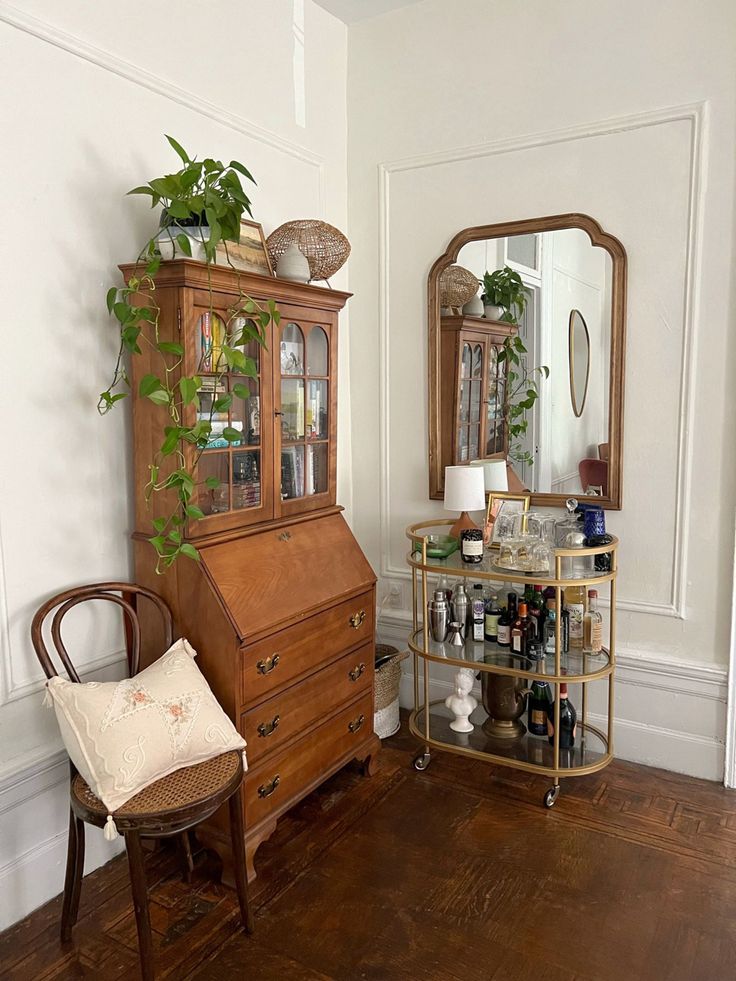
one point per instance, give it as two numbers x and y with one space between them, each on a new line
421 762
550 798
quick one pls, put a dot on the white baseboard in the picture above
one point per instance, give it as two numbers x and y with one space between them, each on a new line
669 713
34 815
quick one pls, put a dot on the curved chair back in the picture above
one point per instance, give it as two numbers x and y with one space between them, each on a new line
123 594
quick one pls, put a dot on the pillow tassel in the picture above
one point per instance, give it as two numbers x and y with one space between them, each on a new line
111 831
48 702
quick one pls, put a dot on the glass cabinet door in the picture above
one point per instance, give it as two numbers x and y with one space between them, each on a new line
304 379
470 402
231 483
495 422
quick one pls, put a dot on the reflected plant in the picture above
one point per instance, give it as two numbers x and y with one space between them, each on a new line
504 288
205 194
522 391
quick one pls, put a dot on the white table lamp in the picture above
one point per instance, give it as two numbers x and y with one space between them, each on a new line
464 491
495 475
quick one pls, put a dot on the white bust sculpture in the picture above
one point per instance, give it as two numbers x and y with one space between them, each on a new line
461 703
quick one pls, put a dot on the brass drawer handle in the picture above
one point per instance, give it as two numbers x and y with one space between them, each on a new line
263 667
266 728
356 723
266 789
356 672
357 619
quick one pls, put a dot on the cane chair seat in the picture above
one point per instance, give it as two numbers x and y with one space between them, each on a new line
180 790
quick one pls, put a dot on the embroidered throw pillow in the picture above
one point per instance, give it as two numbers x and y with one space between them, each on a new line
123 736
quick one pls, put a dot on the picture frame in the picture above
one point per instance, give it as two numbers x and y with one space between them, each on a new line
250 253
502 504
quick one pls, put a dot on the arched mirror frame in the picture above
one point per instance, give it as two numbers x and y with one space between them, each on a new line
615 249
577 409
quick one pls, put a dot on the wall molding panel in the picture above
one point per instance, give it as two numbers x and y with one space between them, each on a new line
695 116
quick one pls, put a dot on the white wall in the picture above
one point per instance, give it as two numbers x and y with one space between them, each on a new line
605 109
88 90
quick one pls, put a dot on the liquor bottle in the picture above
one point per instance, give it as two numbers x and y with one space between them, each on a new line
540 698
565 631
568 720
592 626
478 608
528 593
504 628
575 606
444 585
522 632
490 630
550 627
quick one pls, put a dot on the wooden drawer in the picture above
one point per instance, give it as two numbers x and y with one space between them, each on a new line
272 723
283 778
274 663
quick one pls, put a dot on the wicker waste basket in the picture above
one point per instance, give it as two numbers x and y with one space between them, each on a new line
386 719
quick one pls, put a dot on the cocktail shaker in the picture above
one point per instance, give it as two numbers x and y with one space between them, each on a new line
460 606
438 614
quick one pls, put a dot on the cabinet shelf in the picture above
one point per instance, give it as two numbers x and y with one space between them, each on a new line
494 659
528 752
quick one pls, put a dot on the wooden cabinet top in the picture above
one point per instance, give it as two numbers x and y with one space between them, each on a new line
498 328
222 279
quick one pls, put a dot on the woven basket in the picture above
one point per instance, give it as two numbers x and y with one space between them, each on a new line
386 719
325 248
457 286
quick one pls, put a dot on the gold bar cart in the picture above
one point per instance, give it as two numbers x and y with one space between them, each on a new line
429 721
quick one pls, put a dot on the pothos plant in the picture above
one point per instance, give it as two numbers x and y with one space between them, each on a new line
504 288
209 195
522 391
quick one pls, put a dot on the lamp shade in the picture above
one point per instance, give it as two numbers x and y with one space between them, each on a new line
495 475
464 489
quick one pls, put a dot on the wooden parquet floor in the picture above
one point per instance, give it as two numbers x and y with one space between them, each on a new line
457 873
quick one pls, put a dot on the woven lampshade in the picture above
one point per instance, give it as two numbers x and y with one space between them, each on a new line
325 248
457 286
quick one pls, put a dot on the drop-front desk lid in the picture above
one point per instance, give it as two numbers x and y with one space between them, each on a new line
275 577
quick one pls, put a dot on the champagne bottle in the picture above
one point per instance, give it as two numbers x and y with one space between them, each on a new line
540 698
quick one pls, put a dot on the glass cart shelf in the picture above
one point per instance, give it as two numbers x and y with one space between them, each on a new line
530 753
430 720
495 659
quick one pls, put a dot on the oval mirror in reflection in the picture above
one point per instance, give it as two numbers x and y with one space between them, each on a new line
579 354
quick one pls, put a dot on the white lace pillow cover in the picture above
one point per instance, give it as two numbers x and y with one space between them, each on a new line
123 736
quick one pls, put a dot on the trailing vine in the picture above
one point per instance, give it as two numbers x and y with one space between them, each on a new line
203 195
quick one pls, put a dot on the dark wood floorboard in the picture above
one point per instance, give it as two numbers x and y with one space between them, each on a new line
457 873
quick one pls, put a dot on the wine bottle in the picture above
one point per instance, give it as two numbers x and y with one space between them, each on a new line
504 628
568 720
490 630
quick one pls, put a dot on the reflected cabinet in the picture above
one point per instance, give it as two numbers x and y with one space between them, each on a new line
473 389
280 607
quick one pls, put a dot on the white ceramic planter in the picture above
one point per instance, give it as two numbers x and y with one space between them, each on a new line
170 249
493 312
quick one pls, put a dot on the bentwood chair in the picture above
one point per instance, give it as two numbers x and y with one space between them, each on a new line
167 808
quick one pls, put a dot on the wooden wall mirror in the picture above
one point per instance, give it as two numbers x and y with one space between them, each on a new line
479 404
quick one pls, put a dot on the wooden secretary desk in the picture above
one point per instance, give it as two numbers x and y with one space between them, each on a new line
281 606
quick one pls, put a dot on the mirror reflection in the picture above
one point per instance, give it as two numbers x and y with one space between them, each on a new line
521 378
579 345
